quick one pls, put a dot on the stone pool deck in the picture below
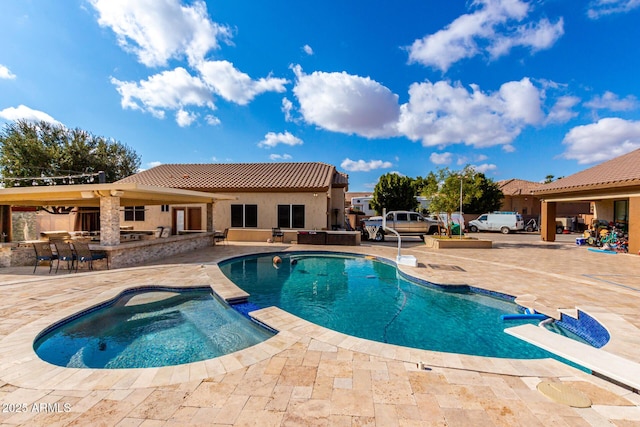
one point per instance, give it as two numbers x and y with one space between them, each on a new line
308 375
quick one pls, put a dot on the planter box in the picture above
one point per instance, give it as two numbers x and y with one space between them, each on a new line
453 243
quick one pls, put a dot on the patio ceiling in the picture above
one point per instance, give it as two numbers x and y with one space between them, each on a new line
88 195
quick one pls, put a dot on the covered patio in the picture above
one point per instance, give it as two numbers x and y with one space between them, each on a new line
613 188
109 199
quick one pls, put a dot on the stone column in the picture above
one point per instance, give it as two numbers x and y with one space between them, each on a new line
548 221
210 220
109 220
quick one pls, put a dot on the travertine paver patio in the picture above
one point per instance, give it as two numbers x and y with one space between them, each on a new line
308 375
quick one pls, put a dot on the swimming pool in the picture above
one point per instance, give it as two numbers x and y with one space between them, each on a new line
148 328
367 298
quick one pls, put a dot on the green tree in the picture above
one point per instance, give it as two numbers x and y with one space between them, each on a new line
43 149
489 196
444 190
394 192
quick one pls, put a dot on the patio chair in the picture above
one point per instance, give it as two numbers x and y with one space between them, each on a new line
65 253
44 253
221 237
276 232
85 254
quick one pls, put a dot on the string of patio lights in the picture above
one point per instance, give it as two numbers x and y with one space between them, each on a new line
78 177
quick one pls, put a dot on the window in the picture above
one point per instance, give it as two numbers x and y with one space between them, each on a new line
402 217
134 213
244 216
164 208
291 216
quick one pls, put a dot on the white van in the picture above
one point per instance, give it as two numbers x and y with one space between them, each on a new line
505 222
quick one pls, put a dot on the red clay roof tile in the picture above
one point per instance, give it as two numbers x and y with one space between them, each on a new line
242 177
618 172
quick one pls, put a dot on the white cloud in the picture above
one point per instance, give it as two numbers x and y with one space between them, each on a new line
538 36
234 85
484 168
22 112
159 30
600 8
363 166
272 139
611 101
280 156
307 49
169 90
562 111
440 158
212 120
154 164
348 104
5 73
185 118
491 28
603 140
287 108
440 113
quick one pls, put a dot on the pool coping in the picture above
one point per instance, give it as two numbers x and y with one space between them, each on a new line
20 366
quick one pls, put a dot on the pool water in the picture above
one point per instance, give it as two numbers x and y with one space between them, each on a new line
149 329
368 299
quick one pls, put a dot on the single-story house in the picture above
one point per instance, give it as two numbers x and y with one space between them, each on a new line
519 197
613 187
289 196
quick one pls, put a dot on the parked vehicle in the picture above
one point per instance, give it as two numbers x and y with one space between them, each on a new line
531 225
456 218
504 222
404 222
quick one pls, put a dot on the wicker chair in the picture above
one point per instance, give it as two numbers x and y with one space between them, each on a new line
44 253
85 254
65 253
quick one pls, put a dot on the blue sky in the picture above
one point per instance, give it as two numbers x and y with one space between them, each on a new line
518 89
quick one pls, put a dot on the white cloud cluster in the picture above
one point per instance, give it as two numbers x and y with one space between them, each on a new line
158 31
441 113
603 140
440 158
235 86
272 139
345 103
598 8
280 156
169 90
5 73
493 28
364 166
307 49
22 112
611 101
484 168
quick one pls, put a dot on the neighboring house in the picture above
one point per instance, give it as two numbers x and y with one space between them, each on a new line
291 196
519 197
613 187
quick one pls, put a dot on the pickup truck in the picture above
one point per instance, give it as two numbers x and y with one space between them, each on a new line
404 222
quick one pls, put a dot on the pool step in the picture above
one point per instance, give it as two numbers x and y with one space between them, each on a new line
601 363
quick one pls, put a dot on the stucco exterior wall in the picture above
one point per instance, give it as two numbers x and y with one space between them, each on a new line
603 209
315 211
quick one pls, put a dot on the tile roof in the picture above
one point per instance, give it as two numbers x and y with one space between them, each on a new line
243 177
517 187
622 171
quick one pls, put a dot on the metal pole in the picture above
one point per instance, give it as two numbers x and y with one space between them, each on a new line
460 220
